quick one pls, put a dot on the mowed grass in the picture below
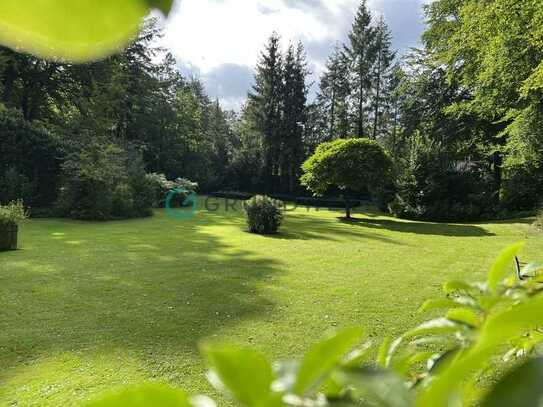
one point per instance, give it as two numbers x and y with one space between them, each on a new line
86 307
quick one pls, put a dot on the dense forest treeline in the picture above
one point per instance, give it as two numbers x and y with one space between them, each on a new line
52 114
461 118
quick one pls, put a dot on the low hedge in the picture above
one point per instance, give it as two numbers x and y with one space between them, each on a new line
335 203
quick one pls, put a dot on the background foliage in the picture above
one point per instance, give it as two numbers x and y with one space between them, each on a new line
460 118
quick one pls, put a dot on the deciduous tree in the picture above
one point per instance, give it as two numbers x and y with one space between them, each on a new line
351 165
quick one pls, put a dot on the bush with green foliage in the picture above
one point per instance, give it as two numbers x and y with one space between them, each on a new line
351 165
141 186
29 159
13 213
264 214
144 195
437 363
522 186
105 182
159 183
162 186
123 201
89 181
14 185
434 186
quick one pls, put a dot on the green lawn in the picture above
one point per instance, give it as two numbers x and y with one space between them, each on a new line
88 306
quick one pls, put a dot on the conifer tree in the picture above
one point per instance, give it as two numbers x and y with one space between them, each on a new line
362 54
293 114
266 107
333 97
393 107
384 56
219 134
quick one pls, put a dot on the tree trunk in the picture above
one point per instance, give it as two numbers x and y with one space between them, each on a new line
497 164
332 111
292 177
361 113
361 104
395 130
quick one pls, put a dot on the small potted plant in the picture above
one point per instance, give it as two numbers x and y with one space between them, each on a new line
10 217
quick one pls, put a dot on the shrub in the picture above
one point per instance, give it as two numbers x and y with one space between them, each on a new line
264 215
144 195
30 157
158 184
522 187
13 213
185 185
105 182
436 187
123 201
89 181
15 185
161 185
142 187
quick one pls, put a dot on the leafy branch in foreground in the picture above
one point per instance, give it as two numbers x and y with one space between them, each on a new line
437 363
74 31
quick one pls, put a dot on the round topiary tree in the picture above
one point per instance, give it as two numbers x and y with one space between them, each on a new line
352 165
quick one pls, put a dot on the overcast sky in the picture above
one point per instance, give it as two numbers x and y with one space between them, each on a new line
219 41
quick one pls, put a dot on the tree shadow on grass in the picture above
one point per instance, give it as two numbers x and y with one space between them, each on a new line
134 285
307 227
421 228
297 226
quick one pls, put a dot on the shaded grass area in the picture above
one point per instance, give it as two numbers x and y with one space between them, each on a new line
89 306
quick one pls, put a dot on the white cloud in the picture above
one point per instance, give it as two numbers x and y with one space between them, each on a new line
208 35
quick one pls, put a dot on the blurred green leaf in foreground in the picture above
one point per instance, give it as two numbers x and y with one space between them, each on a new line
73 31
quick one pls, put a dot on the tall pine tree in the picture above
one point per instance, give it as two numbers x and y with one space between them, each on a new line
293 115
391 116
266 107
333 96
362 53
384 56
